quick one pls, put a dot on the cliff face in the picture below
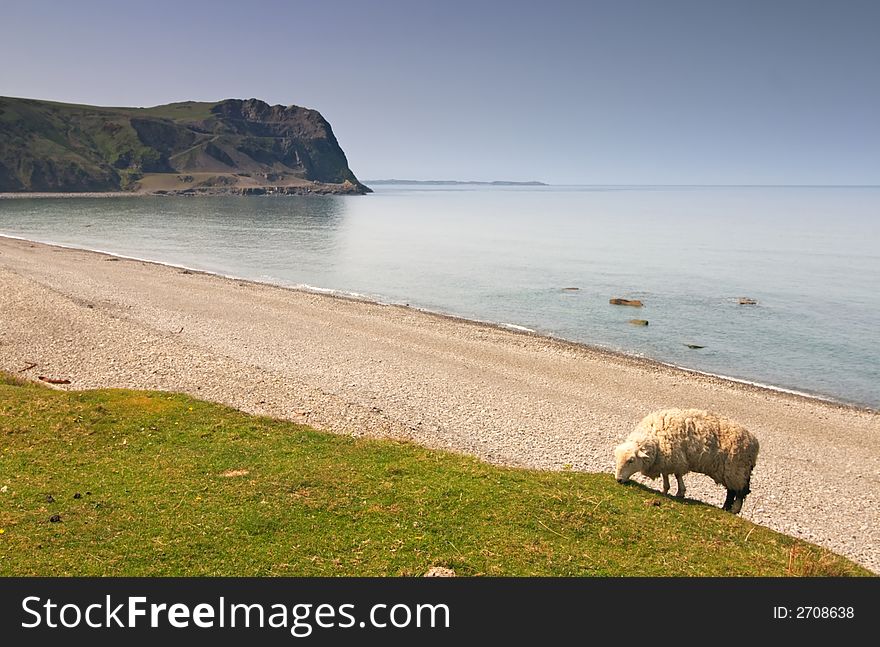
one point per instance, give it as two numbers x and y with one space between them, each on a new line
47 146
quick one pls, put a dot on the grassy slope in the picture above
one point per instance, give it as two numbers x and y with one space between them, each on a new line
154 501
81 144
184 111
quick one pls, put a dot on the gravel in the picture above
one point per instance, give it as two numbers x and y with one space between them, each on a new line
362 368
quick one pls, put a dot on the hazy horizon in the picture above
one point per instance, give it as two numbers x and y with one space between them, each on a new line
626 184
592 93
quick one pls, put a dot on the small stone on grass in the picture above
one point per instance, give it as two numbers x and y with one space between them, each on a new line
439 571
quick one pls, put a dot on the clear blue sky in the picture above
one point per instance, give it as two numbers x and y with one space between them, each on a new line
702 91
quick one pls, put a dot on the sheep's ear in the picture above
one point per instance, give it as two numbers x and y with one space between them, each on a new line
641 454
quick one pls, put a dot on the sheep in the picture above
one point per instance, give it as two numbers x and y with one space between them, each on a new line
678 441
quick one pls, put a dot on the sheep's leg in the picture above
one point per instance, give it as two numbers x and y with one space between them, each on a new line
741 497
665 483
737 503
681 488
728 502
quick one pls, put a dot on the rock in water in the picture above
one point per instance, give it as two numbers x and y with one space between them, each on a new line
626 302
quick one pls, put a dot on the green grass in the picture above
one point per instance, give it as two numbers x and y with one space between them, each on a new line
158 496
185 110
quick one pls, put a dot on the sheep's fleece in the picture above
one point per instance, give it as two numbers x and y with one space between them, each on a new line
678 441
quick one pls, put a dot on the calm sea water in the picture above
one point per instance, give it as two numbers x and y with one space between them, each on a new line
809 256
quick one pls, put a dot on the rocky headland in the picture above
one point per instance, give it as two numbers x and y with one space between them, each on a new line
235 146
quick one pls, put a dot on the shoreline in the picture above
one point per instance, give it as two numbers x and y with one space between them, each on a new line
312 188
508 327
349 365
40 195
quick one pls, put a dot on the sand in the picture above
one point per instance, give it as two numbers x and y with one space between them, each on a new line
362 368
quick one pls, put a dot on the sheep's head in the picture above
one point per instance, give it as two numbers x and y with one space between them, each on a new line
629 458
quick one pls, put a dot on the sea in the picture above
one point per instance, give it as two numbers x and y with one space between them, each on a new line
548 259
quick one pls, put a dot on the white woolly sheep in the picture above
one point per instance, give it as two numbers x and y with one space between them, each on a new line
678 441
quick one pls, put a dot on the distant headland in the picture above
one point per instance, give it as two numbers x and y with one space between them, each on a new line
458 182
227 147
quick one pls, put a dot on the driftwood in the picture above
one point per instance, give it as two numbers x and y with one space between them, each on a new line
53 380
28 367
